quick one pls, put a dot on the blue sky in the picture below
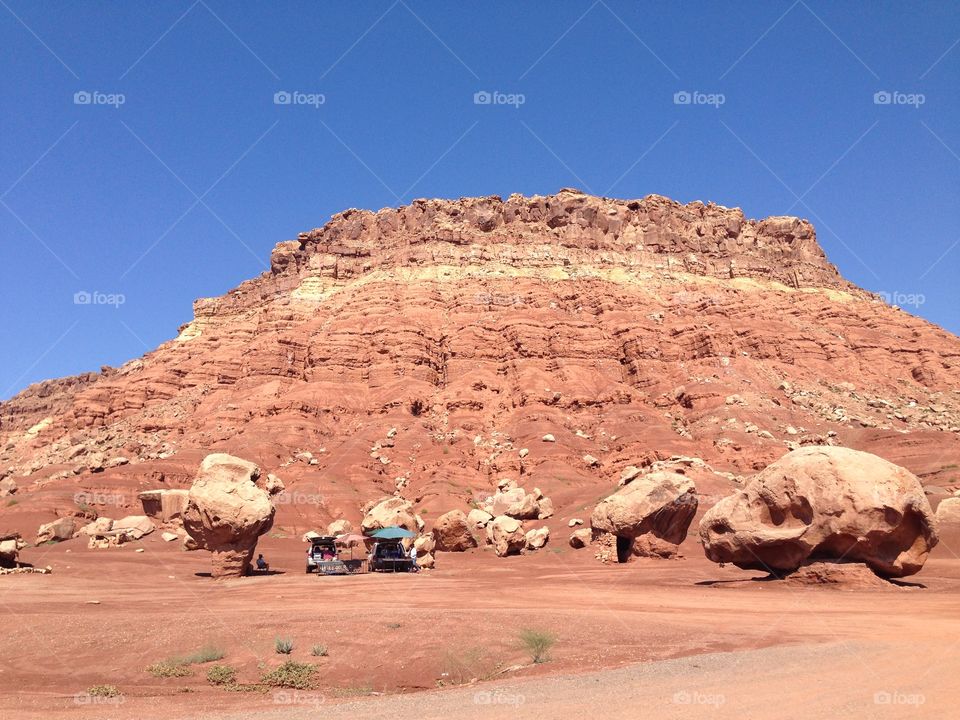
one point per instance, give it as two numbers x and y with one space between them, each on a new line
173 172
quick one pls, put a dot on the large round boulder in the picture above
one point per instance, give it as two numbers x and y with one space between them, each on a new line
452 532
824 503
389 512
227 511
506 535
661 503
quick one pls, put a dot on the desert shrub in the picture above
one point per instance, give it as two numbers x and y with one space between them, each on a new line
319 651
537 643
291 674
283 646
222 675
169 668
106 691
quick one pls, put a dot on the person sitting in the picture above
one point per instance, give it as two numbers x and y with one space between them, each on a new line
261 563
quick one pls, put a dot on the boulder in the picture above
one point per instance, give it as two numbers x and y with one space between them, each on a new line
388 512
57 531
549 438
426 561
227 511
948 522
310 535
506 535
478 519
339 527
168 536
452 532
824 503
10 547
134 526
98 527
581 538
574 522
662 503
545 508
164 505
629 473
536 539
7 487
515 502
425 545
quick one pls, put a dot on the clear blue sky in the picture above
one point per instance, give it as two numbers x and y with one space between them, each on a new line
182 190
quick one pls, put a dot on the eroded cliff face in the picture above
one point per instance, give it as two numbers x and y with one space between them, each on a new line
630 330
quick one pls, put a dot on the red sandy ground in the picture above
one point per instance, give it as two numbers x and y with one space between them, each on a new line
744 648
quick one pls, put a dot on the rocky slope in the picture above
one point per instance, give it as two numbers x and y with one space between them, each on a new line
429 349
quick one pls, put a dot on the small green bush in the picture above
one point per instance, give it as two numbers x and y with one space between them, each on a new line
319 651
291 674
283 646
537 643
222 675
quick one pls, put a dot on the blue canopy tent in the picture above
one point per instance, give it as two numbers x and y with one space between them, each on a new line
392 533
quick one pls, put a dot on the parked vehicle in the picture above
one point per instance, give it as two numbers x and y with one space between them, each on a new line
390 556
322 557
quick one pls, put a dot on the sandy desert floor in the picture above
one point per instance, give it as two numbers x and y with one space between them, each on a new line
663 639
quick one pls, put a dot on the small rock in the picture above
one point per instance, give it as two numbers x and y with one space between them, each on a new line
549 438
574 522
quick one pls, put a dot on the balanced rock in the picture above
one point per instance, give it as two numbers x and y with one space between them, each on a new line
452 532
506 535
661 503
823 503
227 511
389 512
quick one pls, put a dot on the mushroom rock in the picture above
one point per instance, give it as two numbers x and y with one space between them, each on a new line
389 512
824 503
506 535
660 503
227 511
452 532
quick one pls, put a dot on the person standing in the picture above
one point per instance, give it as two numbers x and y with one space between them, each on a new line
413 557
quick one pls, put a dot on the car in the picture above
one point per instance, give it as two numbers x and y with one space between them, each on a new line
390 556
322 557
